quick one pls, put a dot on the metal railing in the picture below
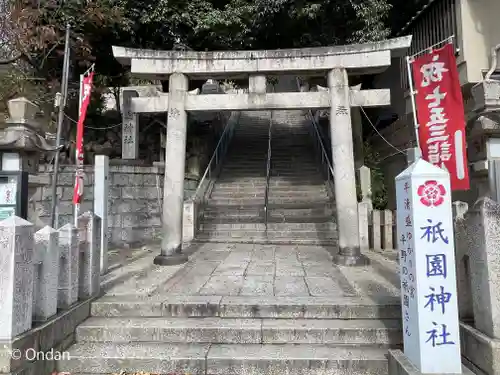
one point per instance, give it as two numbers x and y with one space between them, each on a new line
319 145
218 155
268 172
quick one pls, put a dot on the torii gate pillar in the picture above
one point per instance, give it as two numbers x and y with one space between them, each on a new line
343 168
173 187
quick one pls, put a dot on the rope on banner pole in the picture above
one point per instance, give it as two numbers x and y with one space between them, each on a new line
89 70
431 48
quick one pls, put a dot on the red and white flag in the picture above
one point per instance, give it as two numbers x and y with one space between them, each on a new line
86 90
440 114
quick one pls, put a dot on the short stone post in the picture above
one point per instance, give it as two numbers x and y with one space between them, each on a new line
484 249
16 276
427 269
481 342
387 234
459 209
365 183
101 195
88 243
375 232
413 154
46 273
465 311
69 266
189 221
364 235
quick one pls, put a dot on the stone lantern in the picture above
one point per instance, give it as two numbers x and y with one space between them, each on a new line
22 143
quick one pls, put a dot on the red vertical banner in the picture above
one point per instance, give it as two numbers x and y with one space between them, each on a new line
440 113
86 90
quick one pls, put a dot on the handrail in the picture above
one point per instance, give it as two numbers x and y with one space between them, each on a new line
219 153
325 160
268 171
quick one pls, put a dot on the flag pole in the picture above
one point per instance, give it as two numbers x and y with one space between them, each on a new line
78 157
409 61
60 120
76 207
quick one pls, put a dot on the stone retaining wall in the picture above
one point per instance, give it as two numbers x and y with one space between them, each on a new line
135 196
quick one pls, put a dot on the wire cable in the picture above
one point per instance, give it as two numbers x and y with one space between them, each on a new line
380 135
94 128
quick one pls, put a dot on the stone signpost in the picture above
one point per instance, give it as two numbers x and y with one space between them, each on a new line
427 269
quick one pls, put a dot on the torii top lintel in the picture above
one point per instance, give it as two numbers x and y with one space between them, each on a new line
367 58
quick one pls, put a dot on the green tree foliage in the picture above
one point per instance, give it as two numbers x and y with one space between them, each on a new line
32 34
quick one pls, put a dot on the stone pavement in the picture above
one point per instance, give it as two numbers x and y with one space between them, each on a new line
243 309
258 270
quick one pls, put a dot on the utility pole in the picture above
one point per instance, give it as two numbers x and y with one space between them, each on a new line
60 120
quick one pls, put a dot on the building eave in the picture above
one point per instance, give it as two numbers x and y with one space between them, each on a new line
418 13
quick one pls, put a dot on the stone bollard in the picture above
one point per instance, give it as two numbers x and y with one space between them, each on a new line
89 227
365 183
481 342
16 277
189 221
483 228
364 215
46 273
376 239
387 232
462 264
69 267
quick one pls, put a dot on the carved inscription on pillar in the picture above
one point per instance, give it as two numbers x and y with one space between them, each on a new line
341 110
130 127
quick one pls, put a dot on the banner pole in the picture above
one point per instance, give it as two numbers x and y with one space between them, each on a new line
85 80
60 121
76 208
413 104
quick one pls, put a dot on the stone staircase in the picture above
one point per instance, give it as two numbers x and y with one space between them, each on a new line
300 209
213 318
236 335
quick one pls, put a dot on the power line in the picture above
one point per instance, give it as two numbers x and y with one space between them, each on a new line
380 135
91 127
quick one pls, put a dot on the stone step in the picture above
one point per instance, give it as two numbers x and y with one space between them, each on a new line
274 215
204 238
272 200
248 146
328 236
242 157
277 163
256 218
225 175
247 184
248 307
216 330
306 172
285 209
273 227
260 193
236 189
219 359
281 165
277 180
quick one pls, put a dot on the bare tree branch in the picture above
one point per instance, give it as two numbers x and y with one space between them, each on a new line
11 60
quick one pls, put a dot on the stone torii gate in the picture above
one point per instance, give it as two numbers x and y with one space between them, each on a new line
335 62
